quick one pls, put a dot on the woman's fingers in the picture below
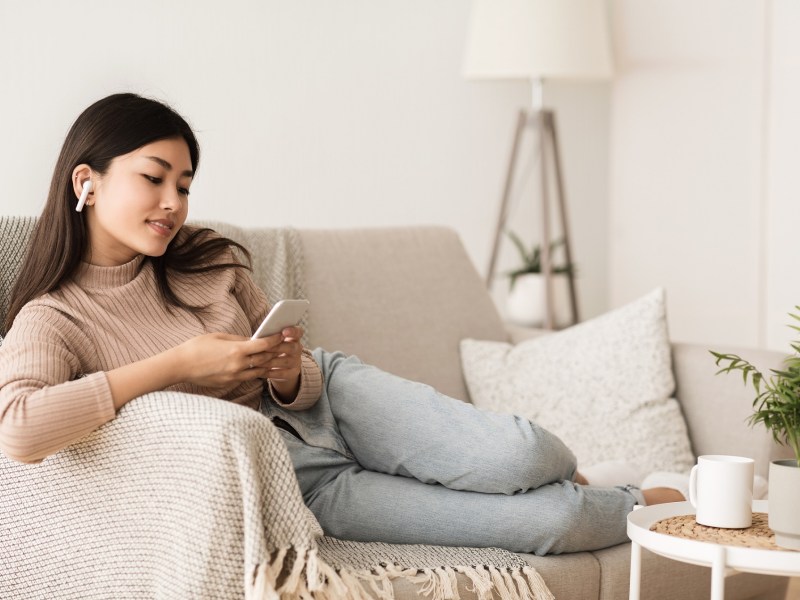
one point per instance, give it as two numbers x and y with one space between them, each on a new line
270 360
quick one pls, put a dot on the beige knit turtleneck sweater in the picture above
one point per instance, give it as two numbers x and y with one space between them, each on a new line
53 362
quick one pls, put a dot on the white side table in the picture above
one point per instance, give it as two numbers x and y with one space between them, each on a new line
719 557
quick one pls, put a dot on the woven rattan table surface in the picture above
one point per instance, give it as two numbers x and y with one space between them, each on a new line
758 535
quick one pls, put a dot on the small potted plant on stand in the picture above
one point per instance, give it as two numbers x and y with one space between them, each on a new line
526 303
777 406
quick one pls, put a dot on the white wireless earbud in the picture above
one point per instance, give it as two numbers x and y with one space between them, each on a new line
87 187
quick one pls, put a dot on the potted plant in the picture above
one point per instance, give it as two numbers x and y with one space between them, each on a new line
777 407
526 298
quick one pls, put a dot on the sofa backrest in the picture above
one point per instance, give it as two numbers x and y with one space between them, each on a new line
403 298
399 298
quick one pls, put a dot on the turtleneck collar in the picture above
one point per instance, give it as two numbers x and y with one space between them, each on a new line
95 277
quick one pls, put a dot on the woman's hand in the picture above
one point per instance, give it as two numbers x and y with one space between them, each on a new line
218 360
283 362
215 360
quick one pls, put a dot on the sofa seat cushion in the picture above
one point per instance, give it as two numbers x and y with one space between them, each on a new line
575 575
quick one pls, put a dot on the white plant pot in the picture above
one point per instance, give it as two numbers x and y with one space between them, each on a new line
784 496
526 304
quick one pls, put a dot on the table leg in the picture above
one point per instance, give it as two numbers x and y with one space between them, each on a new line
718 574
636 571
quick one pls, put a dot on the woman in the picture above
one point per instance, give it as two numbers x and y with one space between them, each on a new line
134 302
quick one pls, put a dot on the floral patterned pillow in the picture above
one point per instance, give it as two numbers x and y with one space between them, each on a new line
604 386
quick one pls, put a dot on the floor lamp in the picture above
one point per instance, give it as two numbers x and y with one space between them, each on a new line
543 123
537 40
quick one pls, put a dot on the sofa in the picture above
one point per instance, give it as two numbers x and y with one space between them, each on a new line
403 298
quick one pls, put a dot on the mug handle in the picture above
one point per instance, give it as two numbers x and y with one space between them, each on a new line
693 486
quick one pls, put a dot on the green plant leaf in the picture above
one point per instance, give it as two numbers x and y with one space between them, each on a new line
532 261
515 239
776 405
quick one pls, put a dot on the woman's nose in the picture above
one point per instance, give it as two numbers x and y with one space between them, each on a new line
171 200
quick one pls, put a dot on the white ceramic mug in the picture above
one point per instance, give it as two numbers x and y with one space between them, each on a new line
721 489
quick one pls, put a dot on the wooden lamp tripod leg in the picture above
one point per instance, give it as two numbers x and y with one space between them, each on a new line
562 209
522 120
543 129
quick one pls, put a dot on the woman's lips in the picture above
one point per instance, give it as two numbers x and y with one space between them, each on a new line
163 228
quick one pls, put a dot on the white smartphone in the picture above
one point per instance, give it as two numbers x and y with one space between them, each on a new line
285 313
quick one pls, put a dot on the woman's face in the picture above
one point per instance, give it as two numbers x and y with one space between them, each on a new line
141 202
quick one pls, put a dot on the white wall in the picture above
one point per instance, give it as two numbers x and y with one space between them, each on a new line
704 165
354 113
310 113
686 174
782 170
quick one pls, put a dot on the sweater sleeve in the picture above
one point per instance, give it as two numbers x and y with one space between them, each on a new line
310 385
44 404
256 306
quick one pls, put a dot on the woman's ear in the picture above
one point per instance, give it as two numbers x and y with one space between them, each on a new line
80 175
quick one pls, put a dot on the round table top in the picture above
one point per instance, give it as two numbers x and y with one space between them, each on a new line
700 545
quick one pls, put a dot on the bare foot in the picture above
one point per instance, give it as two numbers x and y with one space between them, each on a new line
660 495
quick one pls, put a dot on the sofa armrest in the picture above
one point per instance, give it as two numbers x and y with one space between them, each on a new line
717 407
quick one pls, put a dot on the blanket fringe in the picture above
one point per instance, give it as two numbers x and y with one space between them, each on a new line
535 584
263 585
500 584
481 584
310 578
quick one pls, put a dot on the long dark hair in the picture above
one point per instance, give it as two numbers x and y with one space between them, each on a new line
111 127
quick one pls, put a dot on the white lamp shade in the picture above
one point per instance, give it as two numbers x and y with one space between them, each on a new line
538 39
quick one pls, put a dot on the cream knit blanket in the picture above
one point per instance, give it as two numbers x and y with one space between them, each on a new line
186 496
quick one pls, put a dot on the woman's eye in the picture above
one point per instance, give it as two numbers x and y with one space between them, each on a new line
183 191
152 179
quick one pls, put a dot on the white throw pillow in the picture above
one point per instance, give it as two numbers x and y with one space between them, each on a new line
603 386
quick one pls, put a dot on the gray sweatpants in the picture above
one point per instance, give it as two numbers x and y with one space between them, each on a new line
386 459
